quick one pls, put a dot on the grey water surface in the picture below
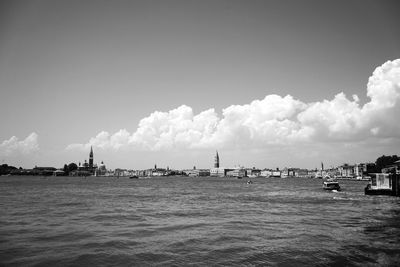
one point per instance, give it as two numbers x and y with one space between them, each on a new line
181 221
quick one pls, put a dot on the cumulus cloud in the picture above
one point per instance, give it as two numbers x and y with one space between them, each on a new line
274 120
176 128
14 146
104 140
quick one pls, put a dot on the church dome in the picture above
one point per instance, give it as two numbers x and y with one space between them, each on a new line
102 166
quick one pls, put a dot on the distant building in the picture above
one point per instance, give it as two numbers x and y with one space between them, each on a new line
198 172
313 173
58 173
238 172
219 172
347 171
266 173
270 173
288 172
86 169
358 170
301 173
101 170
253 172
122 172
276 173
154 172
363 169
46 171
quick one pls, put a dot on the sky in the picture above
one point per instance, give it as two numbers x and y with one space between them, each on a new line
266 83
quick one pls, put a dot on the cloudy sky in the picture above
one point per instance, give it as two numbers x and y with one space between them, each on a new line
266 83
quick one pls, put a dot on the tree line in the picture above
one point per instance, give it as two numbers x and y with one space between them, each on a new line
69 168
5 169
385 161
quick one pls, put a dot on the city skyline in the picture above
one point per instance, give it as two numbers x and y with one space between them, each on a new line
267 84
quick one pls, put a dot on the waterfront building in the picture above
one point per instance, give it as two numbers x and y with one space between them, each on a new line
288 172
155 172
363 169
214 172
198 172
266 173
270 173
276 173
193 174
204 172
101 170
301 173
122 172
358 170
141 173
238 172
346 170
58 173
219 172
159 172
45 171
253 172
312 173
87 168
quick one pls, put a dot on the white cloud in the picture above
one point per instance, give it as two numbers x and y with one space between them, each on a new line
176 128
14 147
270 121
339 118
104 140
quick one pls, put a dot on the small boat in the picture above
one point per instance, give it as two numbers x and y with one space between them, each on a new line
249 182
331 185
134 177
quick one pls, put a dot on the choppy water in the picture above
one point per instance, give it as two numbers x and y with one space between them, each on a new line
194 221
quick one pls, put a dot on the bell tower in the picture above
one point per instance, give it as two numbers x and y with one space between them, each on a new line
91 157
216 161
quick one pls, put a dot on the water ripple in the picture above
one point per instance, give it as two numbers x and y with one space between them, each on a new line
194 222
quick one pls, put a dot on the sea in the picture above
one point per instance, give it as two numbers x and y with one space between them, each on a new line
194 221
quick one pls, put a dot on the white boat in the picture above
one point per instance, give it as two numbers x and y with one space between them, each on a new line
331 185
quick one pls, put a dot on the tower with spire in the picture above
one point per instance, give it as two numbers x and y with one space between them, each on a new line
91 158
216 161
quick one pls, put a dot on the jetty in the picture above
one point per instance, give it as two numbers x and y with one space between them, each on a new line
384 184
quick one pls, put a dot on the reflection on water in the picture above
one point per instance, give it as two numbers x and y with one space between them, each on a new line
199 221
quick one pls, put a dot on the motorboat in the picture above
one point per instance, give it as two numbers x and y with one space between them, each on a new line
331 184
